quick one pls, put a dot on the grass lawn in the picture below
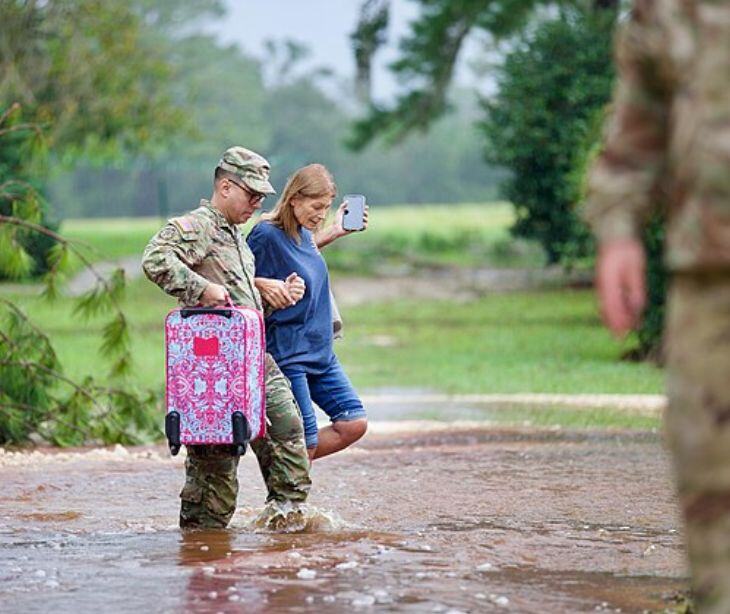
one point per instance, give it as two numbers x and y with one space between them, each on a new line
399 235
518 342
548 341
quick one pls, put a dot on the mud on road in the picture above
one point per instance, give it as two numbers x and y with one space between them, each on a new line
469 520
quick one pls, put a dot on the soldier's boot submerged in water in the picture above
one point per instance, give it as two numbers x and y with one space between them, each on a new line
281 516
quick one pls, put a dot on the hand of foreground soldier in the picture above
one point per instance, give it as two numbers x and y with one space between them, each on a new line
214 294
275 292
296 287
621 283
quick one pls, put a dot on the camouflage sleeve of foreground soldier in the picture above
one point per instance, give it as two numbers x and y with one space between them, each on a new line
170 255
622 181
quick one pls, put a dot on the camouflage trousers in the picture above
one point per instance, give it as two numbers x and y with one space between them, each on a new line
208 498
698 427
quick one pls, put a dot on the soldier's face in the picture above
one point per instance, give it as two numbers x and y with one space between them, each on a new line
310 212
241 203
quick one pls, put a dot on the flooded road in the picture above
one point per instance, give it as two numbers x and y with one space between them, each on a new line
440 520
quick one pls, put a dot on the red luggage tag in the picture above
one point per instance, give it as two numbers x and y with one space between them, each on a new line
205 347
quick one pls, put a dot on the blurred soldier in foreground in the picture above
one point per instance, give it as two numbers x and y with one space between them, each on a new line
668 147
201 258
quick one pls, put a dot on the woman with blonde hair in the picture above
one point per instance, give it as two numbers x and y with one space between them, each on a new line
293 279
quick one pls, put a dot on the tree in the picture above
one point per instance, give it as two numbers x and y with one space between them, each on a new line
369 35
551 86
427 61
36 397
86 75
542 125
79 76
86 72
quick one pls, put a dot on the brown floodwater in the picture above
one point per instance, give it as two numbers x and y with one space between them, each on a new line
451 520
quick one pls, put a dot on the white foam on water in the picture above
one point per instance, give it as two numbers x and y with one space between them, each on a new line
285 518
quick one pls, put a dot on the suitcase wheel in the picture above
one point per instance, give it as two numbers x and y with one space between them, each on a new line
172 431
241 433
241 429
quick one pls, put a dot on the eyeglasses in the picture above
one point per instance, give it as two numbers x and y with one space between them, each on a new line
254 197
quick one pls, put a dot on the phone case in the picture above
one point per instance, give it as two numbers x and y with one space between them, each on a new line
353 218
215 376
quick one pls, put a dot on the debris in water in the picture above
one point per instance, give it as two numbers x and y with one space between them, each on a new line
485 567
382 596
363 601
120 450
306 574
347 565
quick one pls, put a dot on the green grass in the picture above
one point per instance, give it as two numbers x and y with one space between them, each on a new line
434 236
398 236
518 342
549 341
110 239
551 416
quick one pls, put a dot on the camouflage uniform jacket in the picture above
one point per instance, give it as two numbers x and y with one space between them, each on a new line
197 248
667 145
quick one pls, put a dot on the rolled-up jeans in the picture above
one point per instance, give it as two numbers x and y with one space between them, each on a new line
331 390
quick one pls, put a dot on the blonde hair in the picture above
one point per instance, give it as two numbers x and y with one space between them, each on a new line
311 181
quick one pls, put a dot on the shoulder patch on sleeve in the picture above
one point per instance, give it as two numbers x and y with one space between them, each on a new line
167 233
187 225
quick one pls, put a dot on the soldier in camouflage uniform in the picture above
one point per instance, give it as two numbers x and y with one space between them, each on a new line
668 147
201 258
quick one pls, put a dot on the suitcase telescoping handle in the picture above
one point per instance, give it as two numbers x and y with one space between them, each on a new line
186 312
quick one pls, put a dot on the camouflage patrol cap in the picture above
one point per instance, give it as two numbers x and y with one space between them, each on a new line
249 166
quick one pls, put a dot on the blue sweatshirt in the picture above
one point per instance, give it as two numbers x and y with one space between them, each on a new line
299 337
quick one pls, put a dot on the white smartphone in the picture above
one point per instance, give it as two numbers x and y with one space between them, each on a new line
354 212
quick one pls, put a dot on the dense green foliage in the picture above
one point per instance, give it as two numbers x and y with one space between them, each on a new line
543 125
550 88
652 324
87 72
427 61
19 189
302 126
78 77
291 113
91 80
37 397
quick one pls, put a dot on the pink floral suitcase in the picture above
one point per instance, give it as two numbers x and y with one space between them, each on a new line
215 377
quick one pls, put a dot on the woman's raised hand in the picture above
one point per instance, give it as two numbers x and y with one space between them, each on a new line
341 232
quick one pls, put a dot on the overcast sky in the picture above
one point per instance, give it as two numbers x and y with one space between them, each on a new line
324 26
